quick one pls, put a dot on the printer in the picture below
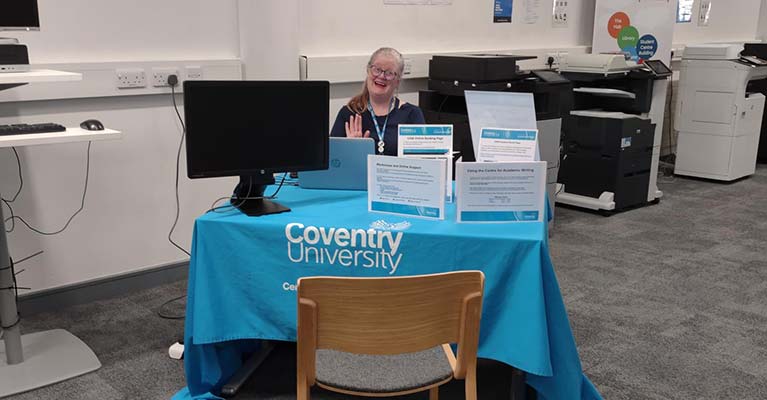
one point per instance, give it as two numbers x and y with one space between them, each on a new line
718 118
450 75
611 149
755 51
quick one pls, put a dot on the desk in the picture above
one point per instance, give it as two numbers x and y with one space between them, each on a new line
42 358
243 271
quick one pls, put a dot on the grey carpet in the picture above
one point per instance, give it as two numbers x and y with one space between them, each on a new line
666 302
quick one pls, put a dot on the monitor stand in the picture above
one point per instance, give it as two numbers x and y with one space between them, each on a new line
248 196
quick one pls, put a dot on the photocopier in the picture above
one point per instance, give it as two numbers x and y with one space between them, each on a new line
611 147
450 75
752 52
718 116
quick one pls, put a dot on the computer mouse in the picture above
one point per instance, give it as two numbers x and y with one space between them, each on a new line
92 125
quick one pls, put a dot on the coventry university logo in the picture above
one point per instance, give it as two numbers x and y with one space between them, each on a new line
350 248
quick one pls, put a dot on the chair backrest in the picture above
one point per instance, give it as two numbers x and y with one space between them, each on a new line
390 315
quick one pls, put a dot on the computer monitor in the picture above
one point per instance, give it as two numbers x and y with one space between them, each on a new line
253 129
19 15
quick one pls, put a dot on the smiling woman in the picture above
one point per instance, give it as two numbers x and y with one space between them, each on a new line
377 112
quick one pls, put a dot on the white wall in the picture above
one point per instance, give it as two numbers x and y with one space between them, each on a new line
339 27
109 30
130 202
761 30
269 38
730 21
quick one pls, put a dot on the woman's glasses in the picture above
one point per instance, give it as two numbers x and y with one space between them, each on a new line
376 72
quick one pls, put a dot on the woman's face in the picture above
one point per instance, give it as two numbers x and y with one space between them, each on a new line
383 76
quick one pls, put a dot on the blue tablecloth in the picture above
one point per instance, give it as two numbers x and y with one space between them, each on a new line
243 271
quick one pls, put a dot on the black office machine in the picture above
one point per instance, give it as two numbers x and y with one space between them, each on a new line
757 52
450 76
611 147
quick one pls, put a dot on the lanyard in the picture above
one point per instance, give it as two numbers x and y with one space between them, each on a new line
381 133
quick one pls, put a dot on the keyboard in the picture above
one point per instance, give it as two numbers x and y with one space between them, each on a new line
25 129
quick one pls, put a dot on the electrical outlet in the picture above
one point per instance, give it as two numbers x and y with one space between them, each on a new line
193 73
130 78
408 67
557 57
160 76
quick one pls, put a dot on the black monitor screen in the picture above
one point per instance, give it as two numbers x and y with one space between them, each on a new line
19 14
246 127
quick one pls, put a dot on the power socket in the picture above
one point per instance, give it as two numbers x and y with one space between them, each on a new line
130 78
160 76
193 73
408 67
557 57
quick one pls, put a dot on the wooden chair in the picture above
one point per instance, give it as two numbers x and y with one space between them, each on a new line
382 337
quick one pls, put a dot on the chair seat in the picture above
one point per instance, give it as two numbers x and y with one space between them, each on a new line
382 373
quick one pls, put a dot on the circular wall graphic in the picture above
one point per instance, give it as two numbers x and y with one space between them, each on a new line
647 47
617 22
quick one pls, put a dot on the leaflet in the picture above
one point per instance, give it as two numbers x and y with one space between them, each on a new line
501 192
499 144
425 140
431 142
406 186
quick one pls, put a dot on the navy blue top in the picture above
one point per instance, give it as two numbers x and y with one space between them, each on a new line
405 114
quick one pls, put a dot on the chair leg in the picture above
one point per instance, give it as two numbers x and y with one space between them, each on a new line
471 383
303 390
434 393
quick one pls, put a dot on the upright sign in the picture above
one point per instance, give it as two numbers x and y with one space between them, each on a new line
502 10
642 29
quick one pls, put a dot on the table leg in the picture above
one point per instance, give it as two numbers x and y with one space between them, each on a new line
8 312
518 391
231 388
51 356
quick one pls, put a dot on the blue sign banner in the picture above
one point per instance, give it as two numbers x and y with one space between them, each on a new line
509 134
502 11
426 130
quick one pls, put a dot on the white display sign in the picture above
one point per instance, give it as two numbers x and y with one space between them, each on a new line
643 29
501 192
406 186
430 142
499 145
506 110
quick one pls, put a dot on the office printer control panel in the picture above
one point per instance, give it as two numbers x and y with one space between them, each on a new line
753 60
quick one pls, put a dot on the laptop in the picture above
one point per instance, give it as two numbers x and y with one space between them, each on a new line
347 166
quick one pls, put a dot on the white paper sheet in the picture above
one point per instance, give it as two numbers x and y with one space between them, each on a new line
406 186
501 192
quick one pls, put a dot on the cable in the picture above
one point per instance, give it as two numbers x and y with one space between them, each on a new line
178 166
439 109
162 315
27 258
15 288
13 220
69 221
21 178
273 196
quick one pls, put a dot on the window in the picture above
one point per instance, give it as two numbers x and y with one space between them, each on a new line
684 10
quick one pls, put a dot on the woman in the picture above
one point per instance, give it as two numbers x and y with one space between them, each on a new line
378 97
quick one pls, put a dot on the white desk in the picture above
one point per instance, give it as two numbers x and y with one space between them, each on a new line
42 358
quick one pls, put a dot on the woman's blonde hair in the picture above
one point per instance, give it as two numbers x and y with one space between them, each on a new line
359 103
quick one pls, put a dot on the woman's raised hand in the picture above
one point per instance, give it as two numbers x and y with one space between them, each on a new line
354 127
